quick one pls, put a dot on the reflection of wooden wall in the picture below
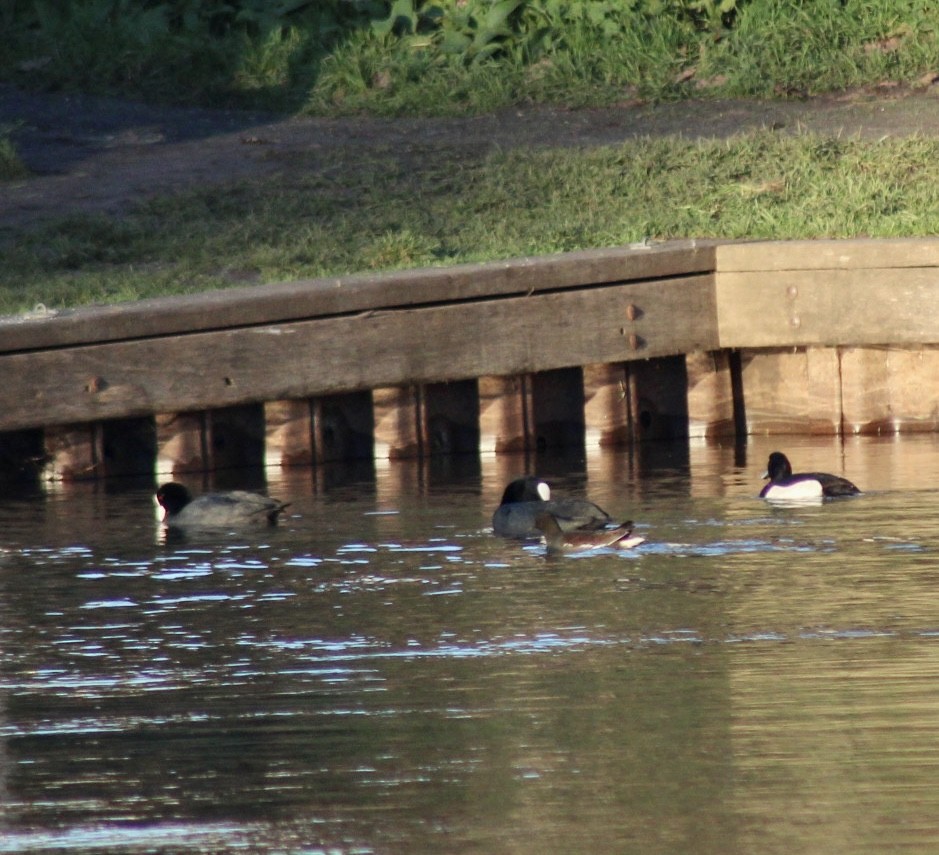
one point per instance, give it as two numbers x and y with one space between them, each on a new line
591 348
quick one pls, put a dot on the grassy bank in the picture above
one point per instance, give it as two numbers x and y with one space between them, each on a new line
431 206
441 205
446 56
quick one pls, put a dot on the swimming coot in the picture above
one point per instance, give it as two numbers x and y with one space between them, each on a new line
216 510
525 498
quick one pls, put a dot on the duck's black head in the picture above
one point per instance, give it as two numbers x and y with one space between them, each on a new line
528 489
778 467
173 497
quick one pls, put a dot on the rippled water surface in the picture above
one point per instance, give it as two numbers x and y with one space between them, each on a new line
381 674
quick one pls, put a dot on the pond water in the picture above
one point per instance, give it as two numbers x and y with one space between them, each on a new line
382 675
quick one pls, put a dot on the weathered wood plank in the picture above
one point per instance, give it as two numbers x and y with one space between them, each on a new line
606 412
182 443
887 390
506 420
792 390
315 298
398 427
289 433
833 307
219 369
826 254
710 395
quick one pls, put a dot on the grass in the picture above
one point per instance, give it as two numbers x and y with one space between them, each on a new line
433 205
445 205
340 56
11 167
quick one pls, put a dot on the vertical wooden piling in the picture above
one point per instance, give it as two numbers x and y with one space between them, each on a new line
288 429
606 409
794 390
506 420
886 390
182 443
74 452
710 394
397 422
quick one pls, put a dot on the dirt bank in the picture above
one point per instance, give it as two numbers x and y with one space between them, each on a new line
97 155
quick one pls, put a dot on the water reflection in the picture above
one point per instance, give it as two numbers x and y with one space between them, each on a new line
381 674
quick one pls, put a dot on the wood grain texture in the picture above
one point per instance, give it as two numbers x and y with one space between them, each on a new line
856 254
324 298
791 391
830 307
209 370
887 390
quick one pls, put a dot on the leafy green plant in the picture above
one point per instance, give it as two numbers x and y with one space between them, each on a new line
472 29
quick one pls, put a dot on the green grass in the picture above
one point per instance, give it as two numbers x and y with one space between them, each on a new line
11 167
442 57
435 206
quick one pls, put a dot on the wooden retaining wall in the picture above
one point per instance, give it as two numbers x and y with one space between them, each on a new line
833 337
602 347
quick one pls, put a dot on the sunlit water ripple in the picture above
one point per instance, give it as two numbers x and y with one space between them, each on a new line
381 674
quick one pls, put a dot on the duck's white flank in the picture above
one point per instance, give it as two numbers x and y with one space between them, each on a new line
808 489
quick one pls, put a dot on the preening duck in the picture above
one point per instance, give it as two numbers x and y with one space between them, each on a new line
559 541
525 498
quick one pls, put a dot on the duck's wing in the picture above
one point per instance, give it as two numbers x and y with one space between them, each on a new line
575 514
835 485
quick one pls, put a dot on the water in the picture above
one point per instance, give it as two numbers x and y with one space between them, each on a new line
382 675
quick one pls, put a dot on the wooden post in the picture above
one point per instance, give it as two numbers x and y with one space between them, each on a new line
606 408
288 427
890 389
793 390
397 422
182 443
506 420
74 452
710 394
